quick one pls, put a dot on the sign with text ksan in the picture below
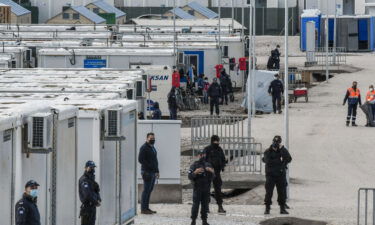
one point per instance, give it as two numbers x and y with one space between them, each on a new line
95 63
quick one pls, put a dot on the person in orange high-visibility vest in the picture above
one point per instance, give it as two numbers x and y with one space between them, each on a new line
353 96
370 99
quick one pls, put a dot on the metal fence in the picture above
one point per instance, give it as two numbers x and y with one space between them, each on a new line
242 153
366 211
318 57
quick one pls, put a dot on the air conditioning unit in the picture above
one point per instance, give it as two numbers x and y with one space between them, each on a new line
40 131
112 123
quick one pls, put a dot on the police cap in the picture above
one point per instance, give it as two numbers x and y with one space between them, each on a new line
90 164
31 183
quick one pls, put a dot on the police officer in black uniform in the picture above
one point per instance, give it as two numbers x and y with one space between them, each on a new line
276 90
276 158
27 212
215 156
200 173
89 195
214 92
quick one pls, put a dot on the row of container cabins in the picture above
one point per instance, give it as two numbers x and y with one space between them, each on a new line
354 33
52 121
201 50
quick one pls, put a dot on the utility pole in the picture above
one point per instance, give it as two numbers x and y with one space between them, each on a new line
249 77
174 34
243 18
334 34
253 61
327 36
221 54
232 16
286 83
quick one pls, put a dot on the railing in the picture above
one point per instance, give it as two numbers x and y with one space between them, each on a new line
242 153
366 213
318 57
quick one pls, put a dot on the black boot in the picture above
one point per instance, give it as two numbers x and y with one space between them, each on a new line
287 206
268 210
354 124
347 123
221 209
204 222
193 222
283 210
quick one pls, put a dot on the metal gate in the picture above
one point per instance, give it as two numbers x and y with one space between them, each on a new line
366 211
242 153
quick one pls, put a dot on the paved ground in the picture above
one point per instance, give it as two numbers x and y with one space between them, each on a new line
330 161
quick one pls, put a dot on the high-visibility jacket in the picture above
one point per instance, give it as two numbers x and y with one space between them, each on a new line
354 93
370 96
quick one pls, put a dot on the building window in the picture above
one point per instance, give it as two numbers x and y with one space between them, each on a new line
66 16
95 10
191 12
76 16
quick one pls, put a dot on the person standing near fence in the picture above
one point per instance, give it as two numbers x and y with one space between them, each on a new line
205 90
214 92
370 99
224 83
150 171
275 55
200 174
216 157
276 90
276 158
172 104
353 96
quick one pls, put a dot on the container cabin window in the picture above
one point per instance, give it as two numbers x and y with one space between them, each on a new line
76 16
139 89
7 136
95 10
66 16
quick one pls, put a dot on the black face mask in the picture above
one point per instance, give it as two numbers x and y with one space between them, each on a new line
354 86
215 145
151 142
91 171
275 145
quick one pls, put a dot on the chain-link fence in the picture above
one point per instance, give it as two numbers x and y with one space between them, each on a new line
366 206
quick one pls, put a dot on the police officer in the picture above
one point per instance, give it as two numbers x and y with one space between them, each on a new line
89 195
275 54
214 92
215 156
276 90
27 212
200 173
353 96
276 158
172 104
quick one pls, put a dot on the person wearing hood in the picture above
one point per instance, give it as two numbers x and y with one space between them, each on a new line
89 194
276 158
214 92
216 157
156 114
200 174
224 83
172 104
276 90
26 210
353 96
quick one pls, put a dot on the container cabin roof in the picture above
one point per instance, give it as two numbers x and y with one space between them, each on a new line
15 8
107 51
108 8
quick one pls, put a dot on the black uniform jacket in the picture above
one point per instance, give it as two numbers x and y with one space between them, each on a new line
200 181
276 161
27 212
89 190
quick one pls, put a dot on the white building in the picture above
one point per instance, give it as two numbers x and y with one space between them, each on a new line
344 7
206 3
50 8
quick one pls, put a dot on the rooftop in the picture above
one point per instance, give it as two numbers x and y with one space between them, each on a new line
181 13
203 10
108 8
88 14
15 8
